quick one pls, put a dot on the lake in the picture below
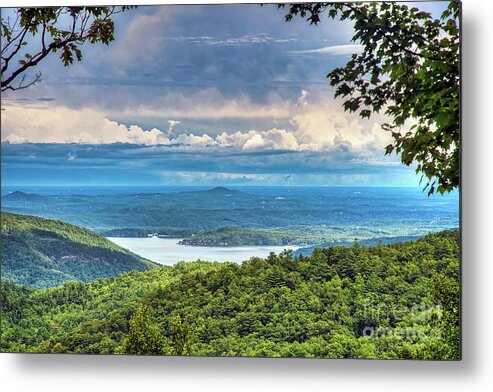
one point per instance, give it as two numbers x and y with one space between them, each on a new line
166 251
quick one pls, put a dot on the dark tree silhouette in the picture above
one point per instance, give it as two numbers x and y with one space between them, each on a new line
409 68
31 34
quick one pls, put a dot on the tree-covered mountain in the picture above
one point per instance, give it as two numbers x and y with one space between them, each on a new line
230 236
385 301
44 253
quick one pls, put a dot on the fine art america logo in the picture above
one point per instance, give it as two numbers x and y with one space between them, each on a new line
385 320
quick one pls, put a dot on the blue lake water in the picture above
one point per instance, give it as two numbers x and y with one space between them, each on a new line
166 251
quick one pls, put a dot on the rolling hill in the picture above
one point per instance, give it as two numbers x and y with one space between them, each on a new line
45 253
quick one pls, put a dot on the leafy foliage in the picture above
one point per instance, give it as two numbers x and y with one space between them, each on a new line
33 33
144 337
410 69
44 253
180 336
325 305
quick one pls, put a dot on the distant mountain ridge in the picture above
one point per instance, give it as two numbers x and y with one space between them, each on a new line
218 190
22 196
45 253
222 189
337 214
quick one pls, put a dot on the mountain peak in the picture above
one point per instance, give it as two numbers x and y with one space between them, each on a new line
22 196
221 190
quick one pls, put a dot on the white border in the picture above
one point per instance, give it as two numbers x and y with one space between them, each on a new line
473 373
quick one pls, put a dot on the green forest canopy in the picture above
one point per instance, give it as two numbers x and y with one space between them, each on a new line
385 301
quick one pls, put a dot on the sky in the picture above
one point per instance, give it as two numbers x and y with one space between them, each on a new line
197 95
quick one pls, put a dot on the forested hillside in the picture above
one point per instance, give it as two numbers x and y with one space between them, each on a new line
44 253
230 236
385 301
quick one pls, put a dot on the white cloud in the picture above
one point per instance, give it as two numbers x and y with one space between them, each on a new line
302 99
273 139
314 126
14 138
257 142
336 50
247 39
193 140
57 124
205 104
172 124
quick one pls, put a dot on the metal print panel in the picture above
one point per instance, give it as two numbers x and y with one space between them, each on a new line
232 180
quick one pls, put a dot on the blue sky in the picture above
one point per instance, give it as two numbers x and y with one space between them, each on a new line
208 95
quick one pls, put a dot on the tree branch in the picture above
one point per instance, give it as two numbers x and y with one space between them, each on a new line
32 62
11 28
36 79
16 50
43 24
